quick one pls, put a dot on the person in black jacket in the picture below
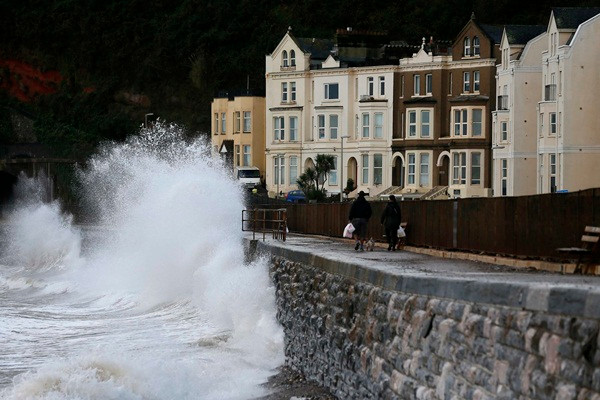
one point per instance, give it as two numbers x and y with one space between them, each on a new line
390 218
360 212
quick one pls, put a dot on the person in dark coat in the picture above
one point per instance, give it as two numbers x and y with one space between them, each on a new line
390 219
360 212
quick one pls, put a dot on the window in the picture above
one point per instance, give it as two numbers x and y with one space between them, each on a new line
450 83
504 177
382 85
460 123
466 82
321 126
365 125
293 128
476 51
417 85
237 155
293 170
331 91
278 128
467 47
412 124
477 121
424 169
503 131
475 168
476 81
223 122
459 168
377 169
237 119
378 120
365 169
247 160
284 59
553 123
370 86
333 126
425 123
293 92
279 170
428 83
293 58
552 173
333 172
284 92
247 121
216 123
411 168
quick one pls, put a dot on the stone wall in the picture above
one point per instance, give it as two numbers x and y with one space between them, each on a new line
355 333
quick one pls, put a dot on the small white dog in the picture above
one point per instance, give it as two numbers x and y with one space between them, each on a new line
370 245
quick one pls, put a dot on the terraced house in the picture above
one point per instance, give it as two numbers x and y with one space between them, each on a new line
445 95
331 97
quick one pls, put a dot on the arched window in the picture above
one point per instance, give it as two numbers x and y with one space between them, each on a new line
284 59
476 46
292 58
467 47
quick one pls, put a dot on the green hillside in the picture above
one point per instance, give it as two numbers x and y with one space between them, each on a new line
118 60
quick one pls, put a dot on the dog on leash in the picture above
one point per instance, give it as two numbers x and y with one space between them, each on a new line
370 245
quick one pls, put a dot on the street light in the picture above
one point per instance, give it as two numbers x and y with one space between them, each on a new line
146 119
342 137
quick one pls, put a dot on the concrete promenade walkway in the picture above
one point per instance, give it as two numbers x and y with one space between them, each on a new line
450 278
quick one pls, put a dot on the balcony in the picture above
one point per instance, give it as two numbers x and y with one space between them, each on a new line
503 102
550 92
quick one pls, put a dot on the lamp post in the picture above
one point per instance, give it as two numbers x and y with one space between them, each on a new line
146 119
342 137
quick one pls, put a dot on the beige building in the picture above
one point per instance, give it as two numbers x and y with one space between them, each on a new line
519 86
568 119
238 130
324 98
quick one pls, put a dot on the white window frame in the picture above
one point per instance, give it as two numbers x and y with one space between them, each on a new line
467 46
422 124
459 168
428 84
503 177
366 126
279 170
377 169
278 128
284 58
246 155
416 85
466 81
365 169
552 176
216 123
292 58
476 46
463 126
411 171
424 169
476 81
293 129
293 92
412 124
370 86
223 123
382 85
415 129
328 87
293 169
504 131
284 92
247 121
333 128
474 123
321 126
332 180
553 124
476 167
237 155
237 118
378 126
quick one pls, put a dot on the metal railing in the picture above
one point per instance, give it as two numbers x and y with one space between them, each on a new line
264 220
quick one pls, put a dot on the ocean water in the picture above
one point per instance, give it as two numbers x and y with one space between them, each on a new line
152 302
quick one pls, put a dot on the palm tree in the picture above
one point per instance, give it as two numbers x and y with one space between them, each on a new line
312 181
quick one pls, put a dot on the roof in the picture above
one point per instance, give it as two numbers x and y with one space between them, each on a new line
494 32
319 49
572 17
521 34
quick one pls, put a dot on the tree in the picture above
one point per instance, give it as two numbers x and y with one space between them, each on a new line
312 181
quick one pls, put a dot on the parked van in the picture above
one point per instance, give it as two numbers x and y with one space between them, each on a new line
248 176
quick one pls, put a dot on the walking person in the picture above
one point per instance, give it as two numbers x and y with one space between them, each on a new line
360 212
390 219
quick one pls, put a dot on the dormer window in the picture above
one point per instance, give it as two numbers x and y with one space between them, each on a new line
467 47
284 59
476 46
292 58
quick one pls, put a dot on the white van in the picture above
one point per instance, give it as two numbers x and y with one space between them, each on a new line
248 176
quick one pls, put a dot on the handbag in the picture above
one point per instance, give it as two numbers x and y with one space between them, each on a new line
401 232
348 230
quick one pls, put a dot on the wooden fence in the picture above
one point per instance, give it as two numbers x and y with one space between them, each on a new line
525 226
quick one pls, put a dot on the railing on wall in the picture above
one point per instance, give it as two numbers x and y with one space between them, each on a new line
524 226
265 220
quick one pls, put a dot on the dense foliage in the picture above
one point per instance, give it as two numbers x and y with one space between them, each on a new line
179 53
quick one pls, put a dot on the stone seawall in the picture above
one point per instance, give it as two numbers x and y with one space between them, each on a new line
366 334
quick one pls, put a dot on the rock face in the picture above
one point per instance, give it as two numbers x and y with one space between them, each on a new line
363 342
